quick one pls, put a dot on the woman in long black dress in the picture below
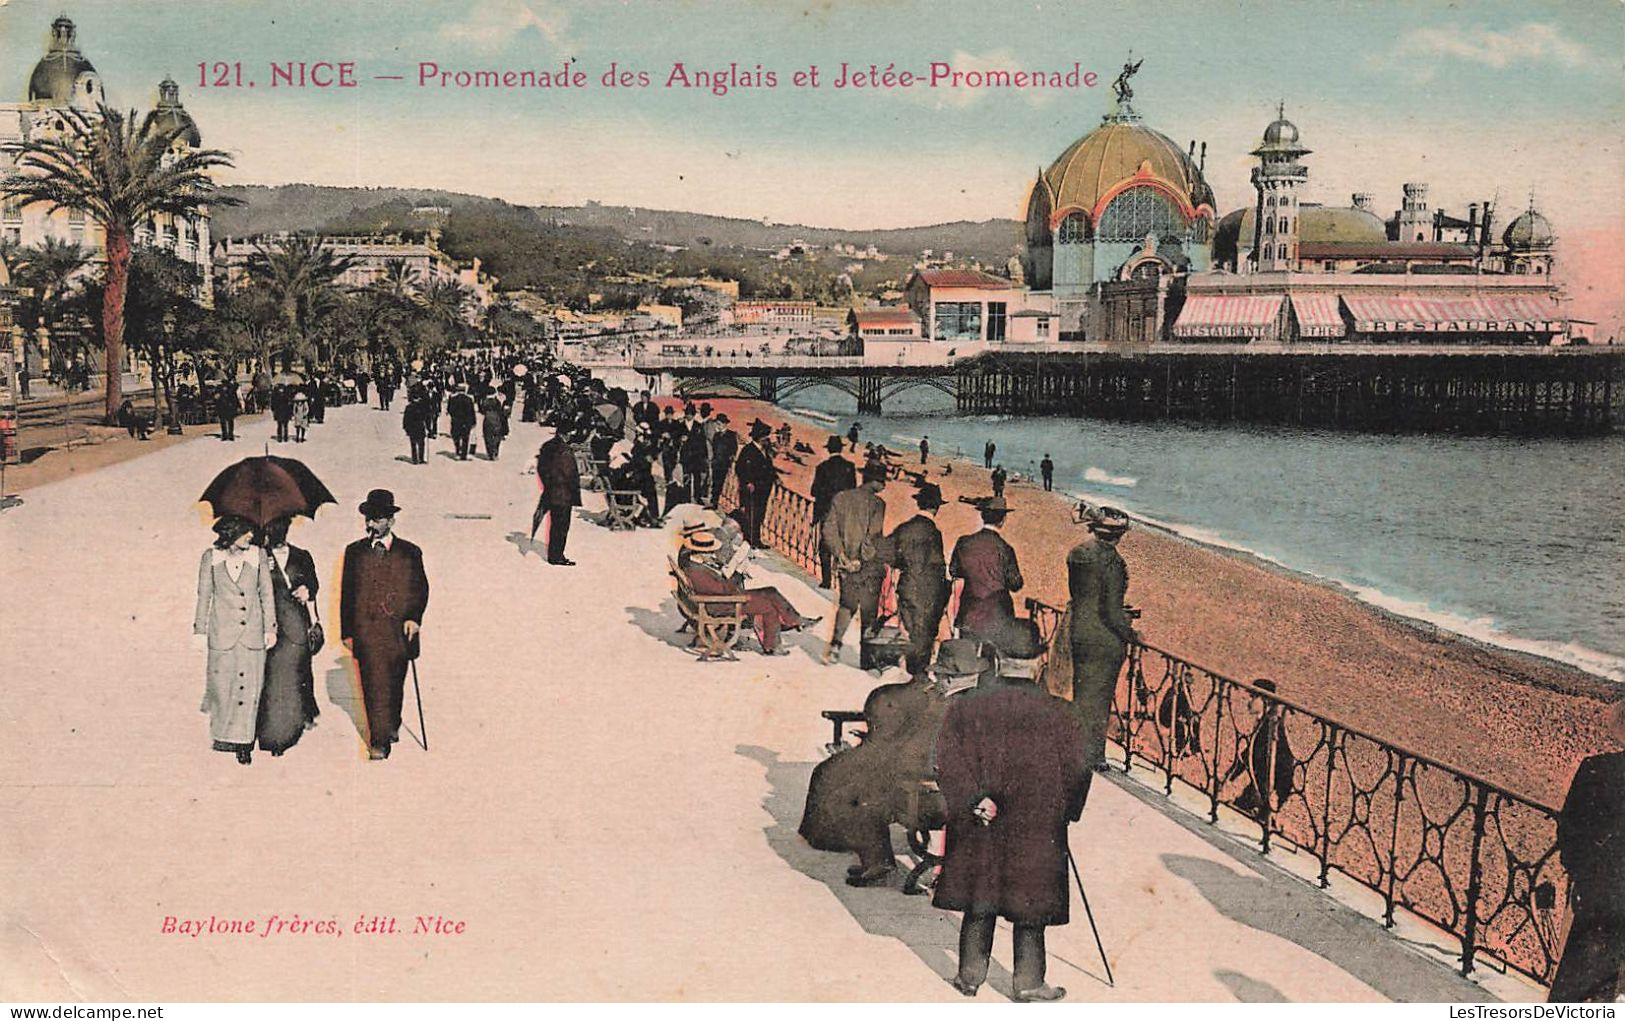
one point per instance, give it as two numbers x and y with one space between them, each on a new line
288 699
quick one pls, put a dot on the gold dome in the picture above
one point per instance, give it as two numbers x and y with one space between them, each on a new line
1121 152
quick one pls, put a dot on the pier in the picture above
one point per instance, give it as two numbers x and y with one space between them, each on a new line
1468 389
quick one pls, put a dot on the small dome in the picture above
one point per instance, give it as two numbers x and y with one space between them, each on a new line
1281 132
1316 225
56 77
170 115
1529 230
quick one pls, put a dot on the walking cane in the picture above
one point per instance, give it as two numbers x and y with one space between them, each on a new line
424 732
1091 916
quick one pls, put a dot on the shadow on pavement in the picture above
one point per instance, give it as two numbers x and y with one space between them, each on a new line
1249 990
343 691
525 544
1284 906
662 623
932 934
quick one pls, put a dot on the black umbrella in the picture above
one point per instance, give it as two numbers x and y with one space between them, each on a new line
263 489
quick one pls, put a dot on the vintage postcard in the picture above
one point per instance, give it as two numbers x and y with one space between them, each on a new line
910 501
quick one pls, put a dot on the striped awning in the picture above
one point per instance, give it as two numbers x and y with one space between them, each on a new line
1318 315
1466 314
1227 315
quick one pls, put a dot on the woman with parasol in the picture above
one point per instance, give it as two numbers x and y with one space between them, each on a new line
236 619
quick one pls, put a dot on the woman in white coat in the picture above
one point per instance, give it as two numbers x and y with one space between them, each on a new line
236 618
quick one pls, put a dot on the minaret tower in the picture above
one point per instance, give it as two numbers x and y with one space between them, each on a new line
1276 179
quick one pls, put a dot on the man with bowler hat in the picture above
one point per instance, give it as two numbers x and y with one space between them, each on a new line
560 479
384 593
834 475
922 577
756 475
460 406
724 445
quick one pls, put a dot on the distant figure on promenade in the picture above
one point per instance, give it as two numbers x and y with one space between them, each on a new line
835 474
1010 767
386 387
362 382
645 410
301 415
281 410
494 424
922 578
925 448
852 435
998 479
987 564
857 793
724 446
235 621
987 454
415 423
288 701
854 533
560 479
756 474
1098 629
384 594
1591 841
694 457
226 409
462 412
1046 468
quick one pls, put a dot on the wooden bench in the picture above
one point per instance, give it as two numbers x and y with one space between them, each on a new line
718 621
585 468
622 509
922 789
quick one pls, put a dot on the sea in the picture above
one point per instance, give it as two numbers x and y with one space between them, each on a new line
1518 543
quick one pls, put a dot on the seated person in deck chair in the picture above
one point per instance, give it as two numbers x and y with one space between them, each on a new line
768 610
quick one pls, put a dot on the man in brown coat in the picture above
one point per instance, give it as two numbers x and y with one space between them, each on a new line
1591 840
383 596
1010 767
854 534
560 478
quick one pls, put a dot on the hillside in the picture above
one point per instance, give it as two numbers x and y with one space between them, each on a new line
314 207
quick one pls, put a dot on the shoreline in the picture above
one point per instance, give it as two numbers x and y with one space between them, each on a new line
1518 719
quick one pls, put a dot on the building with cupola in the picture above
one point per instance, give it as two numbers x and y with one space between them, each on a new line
64 83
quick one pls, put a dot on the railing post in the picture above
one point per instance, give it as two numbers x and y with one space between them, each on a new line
1266 783
1136 678
1334 738
1475 881
1393 842
1221 691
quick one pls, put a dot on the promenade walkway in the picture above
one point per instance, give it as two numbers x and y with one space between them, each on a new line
608 818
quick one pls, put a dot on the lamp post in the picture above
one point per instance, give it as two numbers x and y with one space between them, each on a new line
173 428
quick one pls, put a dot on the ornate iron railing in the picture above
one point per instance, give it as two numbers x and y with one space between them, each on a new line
1477 861
1473 859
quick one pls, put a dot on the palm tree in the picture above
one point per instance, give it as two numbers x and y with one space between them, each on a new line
443 303
119 170
248 317
299 273
48 270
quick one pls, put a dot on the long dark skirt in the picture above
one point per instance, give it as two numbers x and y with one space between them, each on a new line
288 700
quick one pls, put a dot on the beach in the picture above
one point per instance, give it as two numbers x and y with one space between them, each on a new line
1518 721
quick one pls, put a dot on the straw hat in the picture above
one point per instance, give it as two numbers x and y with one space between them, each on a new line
701 541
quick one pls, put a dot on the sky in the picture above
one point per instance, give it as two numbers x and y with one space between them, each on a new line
1479 99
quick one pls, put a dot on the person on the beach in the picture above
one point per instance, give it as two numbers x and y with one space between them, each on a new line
987 454
998 479
835 474
852 435
925 448
854 533
1099 630
987 564
922 578
757 476
384 594
1046 468
1591 841
1009 764
288 700
235 621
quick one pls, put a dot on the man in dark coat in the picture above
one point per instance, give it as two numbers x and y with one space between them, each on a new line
997 479
756 475
1099 630
990 572
227 407
281 410
645 410
1591 841
987 454
695 457
415 423
383 596
834 475
922 578
362 381
494 426
856 794
724 446
460 408
854 532
560 479
1046 468
1010 766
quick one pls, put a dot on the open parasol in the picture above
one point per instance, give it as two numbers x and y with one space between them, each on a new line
263 489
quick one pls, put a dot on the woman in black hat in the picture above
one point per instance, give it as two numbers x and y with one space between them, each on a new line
235 621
